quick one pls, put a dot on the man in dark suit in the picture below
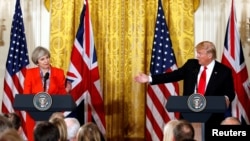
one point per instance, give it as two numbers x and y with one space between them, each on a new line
219 80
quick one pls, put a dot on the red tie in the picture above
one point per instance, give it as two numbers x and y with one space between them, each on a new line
202 82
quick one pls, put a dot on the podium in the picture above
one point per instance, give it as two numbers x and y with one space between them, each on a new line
24 102
214 104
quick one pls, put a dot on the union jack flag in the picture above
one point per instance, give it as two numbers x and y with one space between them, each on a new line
84 73
16 64
162 60
233 57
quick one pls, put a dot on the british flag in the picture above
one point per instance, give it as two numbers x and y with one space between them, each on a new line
84 73
233 57
162 60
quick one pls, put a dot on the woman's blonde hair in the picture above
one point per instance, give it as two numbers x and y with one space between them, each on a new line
89 132
168 130
62 127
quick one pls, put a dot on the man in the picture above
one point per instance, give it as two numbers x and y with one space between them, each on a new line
219 80
168 130
46 131
73 126
231 121
16 121
183 131
5 124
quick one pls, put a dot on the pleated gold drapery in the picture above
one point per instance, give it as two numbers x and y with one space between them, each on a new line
123 34
64 21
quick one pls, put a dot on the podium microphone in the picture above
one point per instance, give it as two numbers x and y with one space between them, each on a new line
195 88
46 76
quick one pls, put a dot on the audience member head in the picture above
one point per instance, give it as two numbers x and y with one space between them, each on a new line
46 131
10 135
57 115
15 119
89 132
73 126
184 131
61 125
168 133
4 123
231 121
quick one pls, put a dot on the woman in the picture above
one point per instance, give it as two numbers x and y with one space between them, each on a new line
43 78
168 132
62 127
89 132
34 79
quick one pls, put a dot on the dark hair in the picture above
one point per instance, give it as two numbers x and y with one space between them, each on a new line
15 119
46 131
184 131
4 123
188 140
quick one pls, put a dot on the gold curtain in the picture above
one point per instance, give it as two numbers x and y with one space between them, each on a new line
123 34
64 21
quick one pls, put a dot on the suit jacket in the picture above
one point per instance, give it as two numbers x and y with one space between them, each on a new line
220 82
33 84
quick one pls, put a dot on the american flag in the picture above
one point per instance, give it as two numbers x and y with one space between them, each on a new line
16 64
84 73
233 57
163 60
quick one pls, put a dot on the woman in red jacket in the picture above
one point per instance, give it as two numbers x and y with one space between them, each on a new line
43 78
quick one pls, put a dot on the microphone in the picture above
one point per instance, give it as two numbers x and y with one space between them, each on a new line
195 88
46 76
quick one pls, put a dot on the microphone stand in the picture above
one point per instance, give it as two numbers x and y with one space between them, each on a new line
46 76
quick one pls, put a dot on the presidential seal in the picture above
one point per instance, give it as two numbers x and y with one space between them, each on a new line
42 101
196 102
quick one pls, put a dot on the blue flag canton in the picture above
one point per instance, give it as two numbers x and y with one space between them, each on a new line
162 53
80 36
227 39
18 53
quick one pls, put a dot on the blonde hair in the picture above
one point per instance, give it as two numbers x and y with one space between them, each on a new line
38 53
168 131
89 132
208 46
61 125
57 115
